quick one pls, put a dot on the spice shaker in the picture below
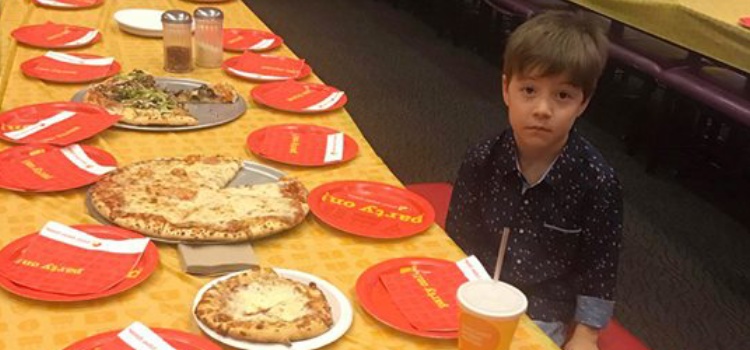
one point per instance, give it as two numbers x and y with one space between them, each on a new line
209 35
178 41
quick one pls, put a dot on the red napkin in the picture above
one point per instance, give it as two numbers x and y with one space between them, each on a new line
136 337
60 66
63 127
427 296
274 66
67 261
75 3
38 168
298 147
297 96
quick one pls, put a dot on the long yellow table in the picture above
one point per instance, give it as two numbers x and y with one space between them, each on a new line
707 27
164 300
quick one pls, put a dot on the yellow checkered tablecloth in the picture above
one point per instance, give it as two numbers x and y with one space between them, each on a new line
708 27
164 300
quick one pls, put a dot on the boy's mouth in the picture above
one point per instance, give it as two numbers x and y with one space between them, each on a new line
538 128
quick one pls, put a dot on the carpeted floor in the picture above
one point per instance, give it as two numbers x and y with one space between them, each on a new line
684 279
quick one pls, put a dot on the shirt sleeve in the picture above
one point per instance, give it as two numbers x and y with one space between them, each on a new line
602 233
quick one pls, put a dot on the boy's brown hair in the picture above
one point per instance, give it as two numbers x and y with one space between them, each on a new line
558 42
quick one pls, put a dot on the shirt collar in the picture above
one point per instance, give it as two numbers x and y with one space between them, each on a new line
507 159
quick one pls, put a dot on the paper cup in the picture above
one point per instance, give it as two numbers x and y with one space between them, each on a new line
489 314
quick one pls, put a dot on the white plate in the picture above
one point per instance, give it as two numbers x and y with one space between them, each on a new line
145 22
341 310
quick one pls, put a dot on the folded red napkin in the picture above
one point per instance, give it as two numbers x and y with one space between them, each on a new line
427 297
39 168
137 337
300 147
72 3
56 65
63 260
299 96
267 65
62 127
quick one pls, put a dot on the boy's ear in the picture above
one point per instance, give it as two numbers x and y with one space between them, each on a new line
583 106
505 89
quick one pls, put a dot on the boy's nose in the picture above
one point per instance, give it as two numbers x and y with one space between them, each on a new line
543 108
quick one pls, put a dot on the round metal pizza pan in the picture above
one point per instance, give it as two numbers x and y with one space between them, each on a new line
208 114
250 174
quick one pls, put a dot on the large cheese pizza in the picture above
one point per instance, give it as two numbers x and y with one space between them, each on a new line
186 199
140 101
258 305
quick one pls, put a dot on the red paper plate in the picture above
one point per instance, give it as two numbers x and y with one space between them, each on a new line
67 73
88 121
300 144
229 67
745 22
298 97
51 179
145 267
371 209
239 39
375 299
55 36
177 339
68 4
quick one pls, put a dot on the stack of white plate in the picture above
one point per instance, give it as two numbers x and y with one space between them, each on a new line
143 22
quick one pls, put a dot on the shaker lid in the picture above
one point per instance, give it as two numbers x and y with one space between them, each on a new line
176 16
208 13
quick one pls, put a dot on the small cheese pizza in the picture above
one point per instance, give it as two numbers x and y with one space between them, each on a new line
186 199
140 101
258 305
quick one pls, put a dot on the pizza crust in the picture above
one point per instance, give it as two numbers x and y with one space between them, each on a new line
258 305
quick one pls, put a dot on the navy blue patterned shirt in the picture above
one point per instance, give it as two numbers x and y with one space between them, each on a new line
565 230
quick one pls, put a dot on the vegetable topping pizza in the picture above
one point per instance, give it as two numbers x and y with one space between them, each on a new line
140 101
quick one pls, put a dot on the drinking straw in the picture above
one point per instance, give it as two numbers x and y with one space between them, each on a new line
501 253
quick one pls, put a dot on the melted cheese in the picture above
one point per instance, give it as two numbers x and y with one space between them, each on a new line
259 302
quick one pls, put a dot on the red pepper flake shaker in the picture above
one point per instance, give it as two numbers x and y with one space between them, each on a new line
178 41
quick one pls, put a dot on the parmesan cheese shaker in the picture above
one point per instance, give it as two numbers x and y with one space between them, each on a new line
178 41
209 35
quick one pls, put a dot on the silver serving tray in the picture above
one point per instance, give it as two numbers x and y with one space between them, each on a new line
250 174
208 114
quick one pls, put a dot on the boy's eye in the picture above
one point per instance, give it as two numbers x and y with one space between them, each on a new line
527 90
565 95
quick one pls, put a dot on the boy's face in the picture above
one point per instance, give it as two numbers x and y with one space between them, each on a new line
542 110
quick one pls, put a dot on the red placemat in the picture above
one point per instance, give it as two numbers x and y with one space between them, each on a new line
239 39
178 339
45 168
371 209
56 36
67 261
140 273
298 97
302 144
57 123
375 299
70 68
68 4
265 67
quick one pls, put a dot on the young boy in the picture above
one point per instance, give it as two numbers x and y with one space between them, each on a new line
541 179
